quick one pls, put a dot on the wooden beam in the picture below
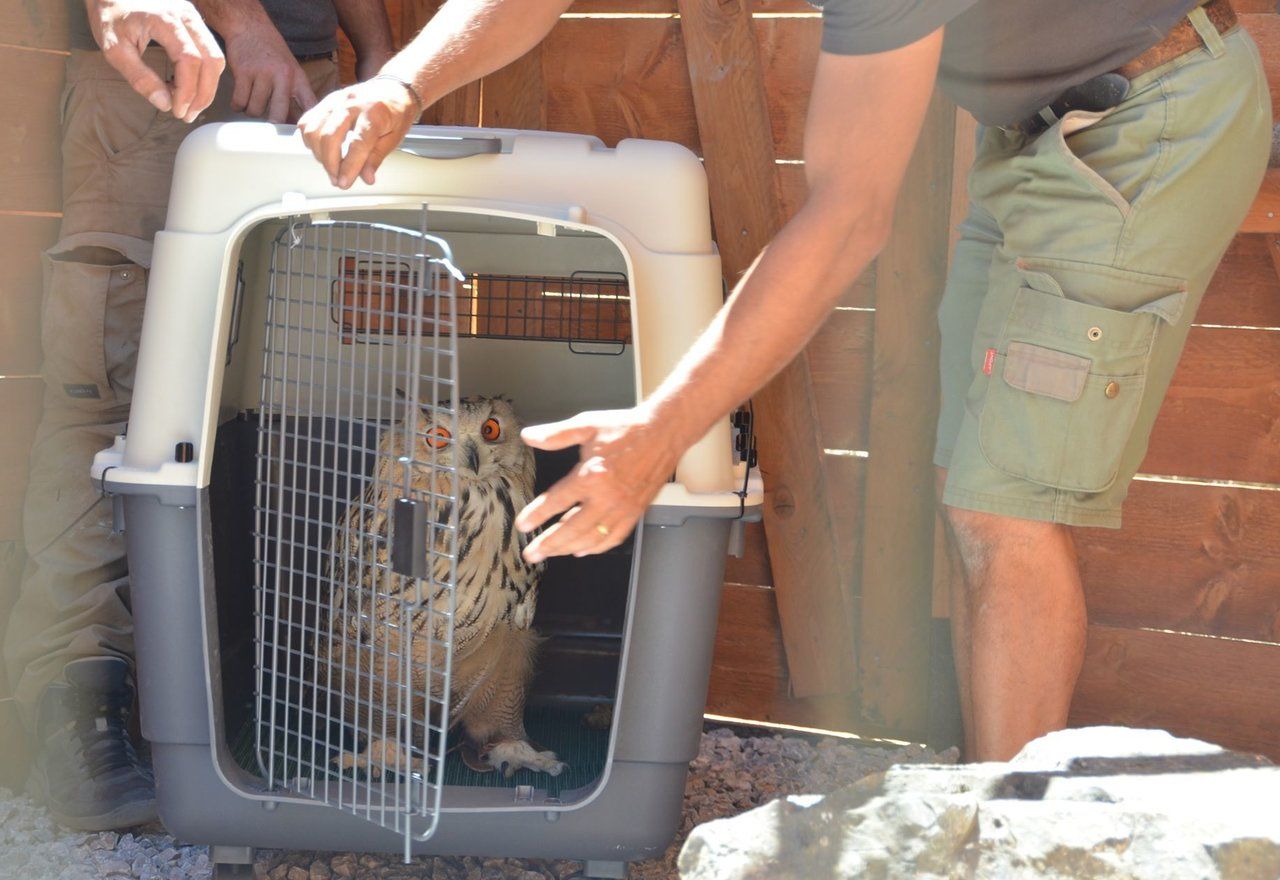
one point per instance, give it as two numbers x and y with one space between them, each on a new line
1264 215
737 142
1219 690
898 548
749 672
515 96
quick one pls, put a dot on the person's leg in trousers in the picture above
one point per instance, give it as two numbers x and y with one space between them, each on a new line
1075 329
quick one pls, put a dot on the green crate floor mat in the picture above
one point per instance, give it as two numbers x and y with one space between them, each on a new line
562 729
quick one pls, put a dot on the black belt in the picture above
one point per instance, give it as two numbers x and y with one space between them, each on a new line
319 56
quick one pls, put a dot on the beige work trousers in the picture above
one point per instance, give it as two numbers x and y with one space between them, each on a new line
117 155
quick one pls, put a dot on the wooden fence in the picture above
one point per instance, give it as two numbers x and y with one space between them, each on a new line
1184 601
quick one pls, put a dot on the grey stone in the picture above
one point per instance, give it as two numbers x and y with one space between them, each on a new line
1104 802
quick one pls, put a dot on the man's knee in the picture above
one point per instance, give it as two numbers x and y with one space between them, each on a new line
980 536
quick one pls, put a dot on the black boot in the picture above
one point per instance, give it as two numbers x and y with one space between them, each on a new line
86 770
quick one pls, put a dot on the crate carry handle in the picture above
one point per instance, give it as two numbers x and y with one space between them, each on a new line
431 146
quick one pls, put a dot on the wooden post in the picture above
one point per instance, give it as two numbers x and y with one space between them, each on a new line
515 97
737 143
898 538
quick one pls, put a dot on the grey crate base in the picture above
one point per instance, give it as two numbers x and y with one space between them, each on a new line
635 814
633 818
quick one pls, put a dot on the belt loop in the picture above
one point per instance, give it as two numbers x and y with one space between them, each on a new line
1208 33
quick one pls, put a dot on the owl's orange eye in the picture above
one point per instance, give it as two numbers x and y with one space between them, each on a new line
491 430
439 437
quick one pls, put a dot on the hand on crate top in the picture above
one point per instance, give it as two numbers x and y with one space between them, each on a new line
625 458
124 28
268 81
376 114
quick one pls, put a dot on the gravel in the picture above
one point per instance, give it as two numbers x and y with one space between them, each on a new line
731 774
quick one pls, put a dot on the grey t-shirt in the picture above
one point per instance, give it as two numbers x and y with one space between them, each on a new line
1005 59
309 27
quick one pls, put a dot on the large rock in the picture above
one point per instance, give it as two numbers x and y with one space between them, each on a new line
1096 802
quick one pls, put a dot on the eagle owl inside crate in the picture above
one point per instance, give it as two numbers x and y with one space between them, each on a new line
496 592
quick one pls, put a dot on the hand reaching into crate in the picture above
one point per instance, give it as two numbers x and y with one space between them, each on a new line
625 458
381 619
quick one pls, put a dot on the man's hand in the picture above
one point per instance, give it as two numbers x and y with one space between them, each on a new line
123 28
379 112
625 458
269 82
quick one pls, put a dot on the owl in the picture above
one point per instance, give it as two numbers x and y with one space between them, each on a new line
377 614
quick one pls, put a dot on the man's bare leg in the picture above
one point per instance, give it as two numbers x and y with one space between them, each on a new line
1020 632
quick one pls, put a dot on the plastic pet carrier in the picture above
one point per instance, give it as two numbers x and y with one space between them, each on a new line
318 481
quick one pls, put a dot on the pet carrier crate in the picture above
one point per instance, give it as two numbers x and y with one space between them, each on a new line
293 490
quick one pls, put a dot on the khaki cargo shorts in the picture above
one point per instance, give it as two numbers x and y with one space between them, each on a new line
1077 276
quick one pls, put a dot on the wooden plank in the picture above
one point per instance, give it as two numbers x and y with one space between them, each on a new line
733 121
749 671
35 24
30 174
635 83
846 479
1198 559
840 368
846 487
1264 214
515 96
20 403
20 291
1265 30
1212 689
897 577
789 53
1245 291
1221 417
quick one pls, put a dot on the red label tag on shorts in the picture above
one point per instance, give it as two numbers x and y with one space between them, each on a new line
989 364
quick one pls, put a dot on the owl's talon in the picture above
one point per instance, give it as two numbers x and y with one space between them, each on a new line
519 755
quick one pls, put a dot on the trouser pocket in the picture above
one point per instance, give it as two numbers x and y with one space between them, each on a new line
91 322
1062 389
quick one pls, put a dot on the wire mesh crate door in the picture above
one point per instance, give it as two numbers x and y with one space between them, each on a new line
355 526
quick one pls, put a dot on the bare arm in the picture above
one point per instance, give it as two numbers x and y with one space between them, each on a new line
864 118
268 80
366 25
124 28
464 41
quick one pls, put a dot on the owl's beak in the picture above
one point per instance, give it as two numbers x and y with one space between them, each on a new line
473 456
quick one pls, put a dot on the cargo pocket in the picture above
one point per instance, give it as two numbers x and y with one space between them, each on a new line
89 330
1065 384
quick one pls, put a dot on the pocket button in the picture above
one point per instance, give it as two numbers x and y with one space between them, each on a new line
1112 390
1095 333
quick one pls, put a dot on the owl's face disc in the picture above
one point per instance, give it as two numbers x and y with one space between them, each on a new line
487 444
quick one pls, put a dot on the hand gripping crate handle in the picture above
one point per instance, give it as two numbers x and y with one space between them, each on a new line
431 146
